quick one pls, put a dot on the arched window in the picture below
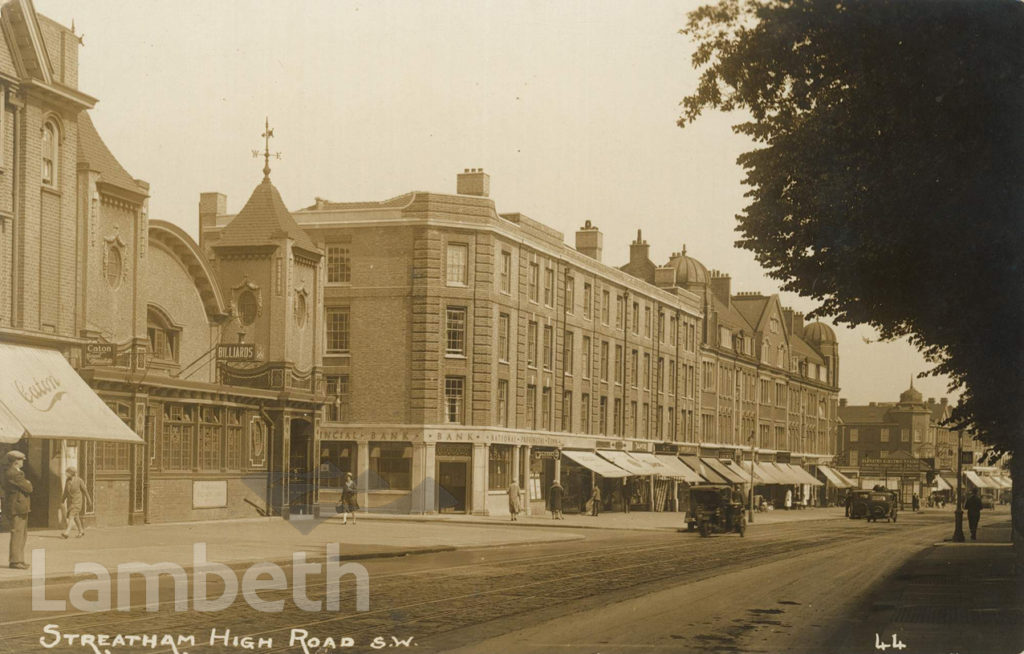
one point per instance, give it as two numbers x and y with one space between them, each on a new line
50 151
164 337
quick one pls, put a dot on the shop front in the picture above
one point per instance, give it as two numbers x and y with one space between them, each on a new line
51 415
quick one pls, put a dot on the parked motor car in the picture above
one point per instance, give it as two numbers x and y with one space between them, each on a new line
873 505
716 509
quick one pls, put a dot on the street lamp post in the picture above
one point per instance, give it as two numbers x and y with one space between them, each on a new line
750 511
958 515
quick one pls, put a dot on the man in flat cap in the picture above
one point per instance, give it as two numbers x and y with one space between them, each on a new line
17 504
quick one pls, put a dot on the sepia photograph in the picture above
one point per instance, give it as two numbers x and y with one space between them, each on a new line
532 326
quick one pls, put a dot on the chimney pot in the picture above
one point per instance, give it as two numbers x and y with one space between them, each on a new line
474 181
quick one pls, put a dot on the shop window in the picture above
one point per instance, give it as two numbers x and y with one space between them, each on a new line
336 458
176 438
499 467
456 269
337 330
233 439
114 457
390 466
339 269
210 431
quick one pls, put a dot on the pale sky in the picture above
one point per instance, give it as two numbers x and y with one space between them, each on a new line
570 106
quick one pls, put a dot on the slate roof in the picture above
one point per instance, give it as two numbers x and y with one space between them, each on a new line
802 347
264 219
94 152
751 307
729 317
863 413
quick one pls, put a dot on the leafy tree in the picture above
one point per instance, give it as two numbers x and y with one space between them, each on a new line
887 181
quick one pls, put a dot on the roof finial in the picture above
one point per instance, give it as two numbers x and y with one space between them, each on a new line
268 133
911 382
684 249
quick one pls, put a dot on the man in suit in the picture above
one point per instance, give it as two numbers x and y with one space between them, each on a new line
973 506
17 505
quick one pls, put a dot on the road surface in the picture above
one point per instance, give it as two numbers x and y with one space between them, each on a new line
783 588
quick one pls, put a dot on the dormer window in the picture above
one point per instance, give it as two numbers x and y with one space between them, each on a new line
164 337
50 153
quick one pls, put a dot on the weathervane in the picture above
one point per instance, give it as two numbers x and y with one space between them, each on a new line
268 133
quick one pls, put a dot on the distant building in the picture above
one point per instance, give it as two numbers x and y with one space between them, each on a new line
874 438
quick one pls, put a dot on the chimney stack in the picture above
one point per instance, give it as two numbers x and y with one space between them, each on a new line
943 401
473 181
798 324
721 287
590 241
211 205
842 402
639 250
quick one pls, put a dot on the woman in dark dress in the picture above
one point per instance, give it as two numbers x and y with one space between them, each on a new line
555 500
348 499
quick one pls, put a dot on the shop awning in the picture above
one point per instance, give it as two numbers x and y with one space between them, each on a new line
941 484
976 480
679 470
802 476
704 471
43 394
764 475
1005 481
727 468
848 480
780 472
626 461
833 477
592 461
652 462
11 430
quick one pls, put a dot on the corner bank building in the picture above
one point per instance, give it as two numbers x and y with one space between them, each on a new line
124 350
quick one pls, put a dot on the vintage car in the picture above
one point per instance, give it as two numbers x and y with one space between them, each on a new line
716 509
873 505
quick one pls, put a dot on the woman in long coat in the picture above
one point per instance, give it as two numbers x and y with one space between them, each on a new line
555 500
75 495
514 503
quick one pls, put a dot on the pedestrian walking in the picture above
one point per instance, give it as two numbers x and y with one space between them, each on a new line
846 503
595 501
17 505
74 498
514 501
973 506
915 502
348 503
788 503
555 494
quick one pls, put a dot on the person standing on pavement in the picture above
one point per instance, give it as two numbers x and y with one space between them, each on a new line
555 500
595 501
973 506
17 505
514 503
915 503
74 498
348 499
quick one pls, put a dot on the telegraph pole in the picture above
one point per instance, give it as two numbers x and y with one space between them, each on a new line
958 515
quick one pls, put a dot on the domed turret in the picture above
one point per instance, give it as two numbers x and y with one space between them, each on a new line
911 395
688 269
819 333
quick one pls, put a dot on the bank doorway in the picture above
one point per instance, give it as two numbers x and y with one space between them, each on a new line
453 486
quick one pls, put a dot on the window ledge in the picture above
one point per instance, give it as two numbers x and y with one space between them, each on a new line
52 190
449 355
